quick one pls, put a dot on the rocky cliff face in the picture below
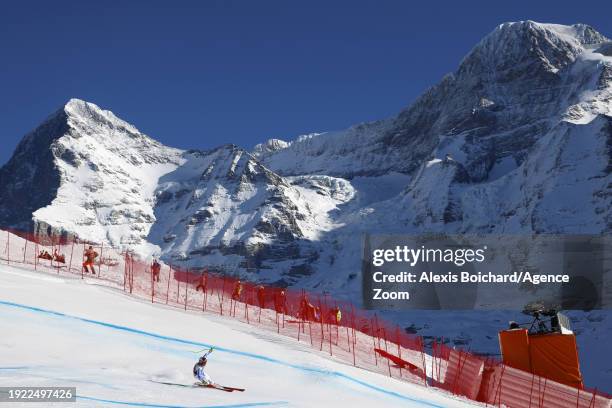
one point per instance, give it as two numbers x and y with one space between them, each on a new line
30 180
88 173
225 210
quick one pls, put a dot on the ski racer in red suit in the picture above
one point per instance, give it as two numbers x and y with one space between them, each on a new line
90 259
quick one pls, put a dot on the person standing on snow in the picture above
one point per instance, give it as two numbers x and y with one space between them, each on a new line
90 259
237 291
203 282
198 370
155 269
261 296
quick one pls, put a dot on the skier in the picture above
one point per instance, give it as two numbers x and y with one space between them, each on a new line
204 379
199 373
90 259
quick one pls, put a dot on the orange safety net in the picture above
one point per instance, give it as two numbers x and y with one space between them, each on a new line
555 356
514 345
348 333
551 355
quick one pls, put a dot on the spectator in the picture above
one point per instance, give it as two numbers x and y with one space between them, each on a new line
335 316
155 270
261 296
280 302
203 283
45 255
58 258
237 291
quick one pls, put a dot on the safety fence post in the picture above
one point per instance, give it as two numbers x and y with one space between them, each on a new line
399 348
336 311
421 344
310 332
152 287
203 292
543 394
384 332
321 321
497 395
168 284
56 247
222 300
592 403
577 397
328 325
100 262
284 308
246 310
277 321
348 339
186 286
531 388
71 253
131 273
124 269
434 362
25 249
374 339
8 248
354 339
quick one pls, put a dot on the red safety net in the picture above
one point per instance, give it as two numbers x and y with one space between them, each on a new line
331 326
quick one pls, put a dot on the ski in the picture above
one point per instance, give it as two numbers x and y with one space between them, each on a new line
175 384
223 388
196 385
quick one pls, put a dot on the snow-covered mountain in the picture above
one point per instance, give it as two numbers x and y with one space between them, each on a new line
225 210
517 140
88 173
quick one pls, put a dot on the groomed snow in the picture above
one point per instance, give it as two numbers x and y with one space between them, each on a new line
62 331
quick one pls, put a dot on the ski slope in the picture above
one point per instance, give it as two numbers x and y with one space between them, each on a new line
61 331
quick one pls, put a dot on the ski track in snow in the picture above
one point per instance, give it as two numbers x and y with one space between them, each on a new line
142 404
217 348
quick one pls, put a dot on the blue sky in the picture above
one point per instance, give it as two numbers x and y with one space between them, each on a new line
197 74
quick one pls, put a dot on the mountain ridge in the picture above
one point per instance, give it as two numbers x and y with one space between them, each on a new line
514 91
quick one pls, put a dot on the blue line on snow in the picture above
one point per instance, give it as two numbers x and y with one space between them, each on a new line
231 351
144 404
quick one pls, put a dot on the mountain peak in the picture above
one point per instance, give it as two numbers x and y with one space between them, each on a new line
529 48
581 33
87 112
